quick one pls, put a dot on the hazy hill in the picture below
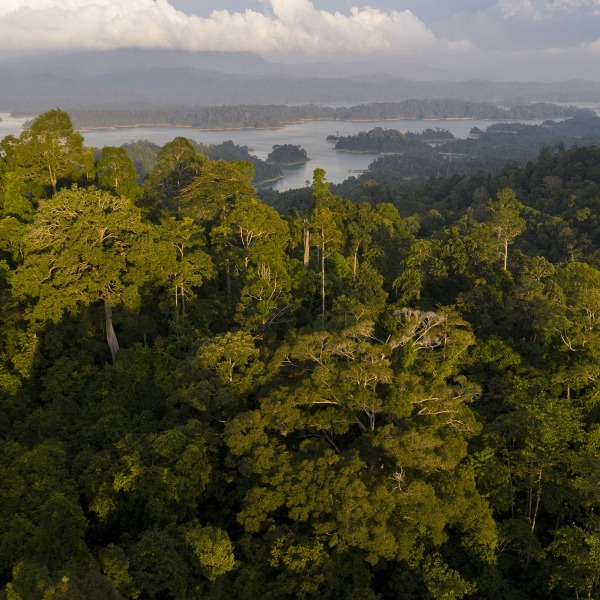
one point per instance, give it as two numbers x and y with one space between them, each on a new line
114 78
124 60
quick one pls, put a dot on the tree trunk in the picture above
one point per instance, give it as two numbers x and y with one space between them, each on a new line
505 254
228 277
306 244
537 501
111 336
323 280
535 513
53 180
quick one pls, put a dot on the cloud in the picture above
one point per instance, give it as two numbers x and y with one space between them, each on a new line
283 26
540 9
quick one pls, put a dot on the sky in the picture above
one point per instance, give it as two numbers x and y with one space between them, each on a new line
507 39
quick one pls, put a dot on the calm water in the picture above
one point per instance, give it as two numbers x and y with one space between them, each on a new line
310 135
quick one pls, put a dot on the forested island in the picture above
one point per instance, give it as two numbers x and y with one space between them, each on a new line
384 389
260 116
287 155
379 140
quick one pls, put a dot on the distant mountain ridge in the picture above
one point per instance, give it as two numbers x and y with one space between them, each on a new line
117 78
122 60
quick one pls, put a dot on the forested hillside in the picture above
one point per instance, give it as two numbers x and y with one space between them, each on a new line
384 390
270 115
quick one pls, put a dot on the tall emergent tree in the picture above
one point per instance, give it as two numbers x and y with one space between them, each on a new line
505 222
84 246
50 150
326 234
177 166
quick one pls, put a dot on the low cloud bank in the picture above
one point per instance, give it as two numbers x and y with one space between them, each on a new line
283 26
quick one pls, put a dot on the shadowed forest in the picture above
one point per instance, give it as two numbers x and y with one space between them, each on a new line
378 390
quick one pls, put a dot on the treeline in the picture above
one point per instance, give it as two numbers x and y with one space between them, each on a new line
257 116
521 142
454 109
389 394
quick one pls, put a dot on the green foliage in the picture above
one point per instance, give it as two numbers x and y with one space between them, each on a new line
180 259
380 140
117 173
50 151
287 154
177 165
578 551
155 478
359 402
157 568
234 358
212 550
142 154
505 221
81 248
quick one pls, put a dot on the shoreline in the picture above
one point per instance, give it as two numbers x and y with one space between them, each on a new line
172 125
267 127
357 151
271 180
289 164
298 122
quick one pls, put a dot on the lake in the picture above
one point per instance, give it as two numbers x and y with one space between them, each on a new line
311 135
